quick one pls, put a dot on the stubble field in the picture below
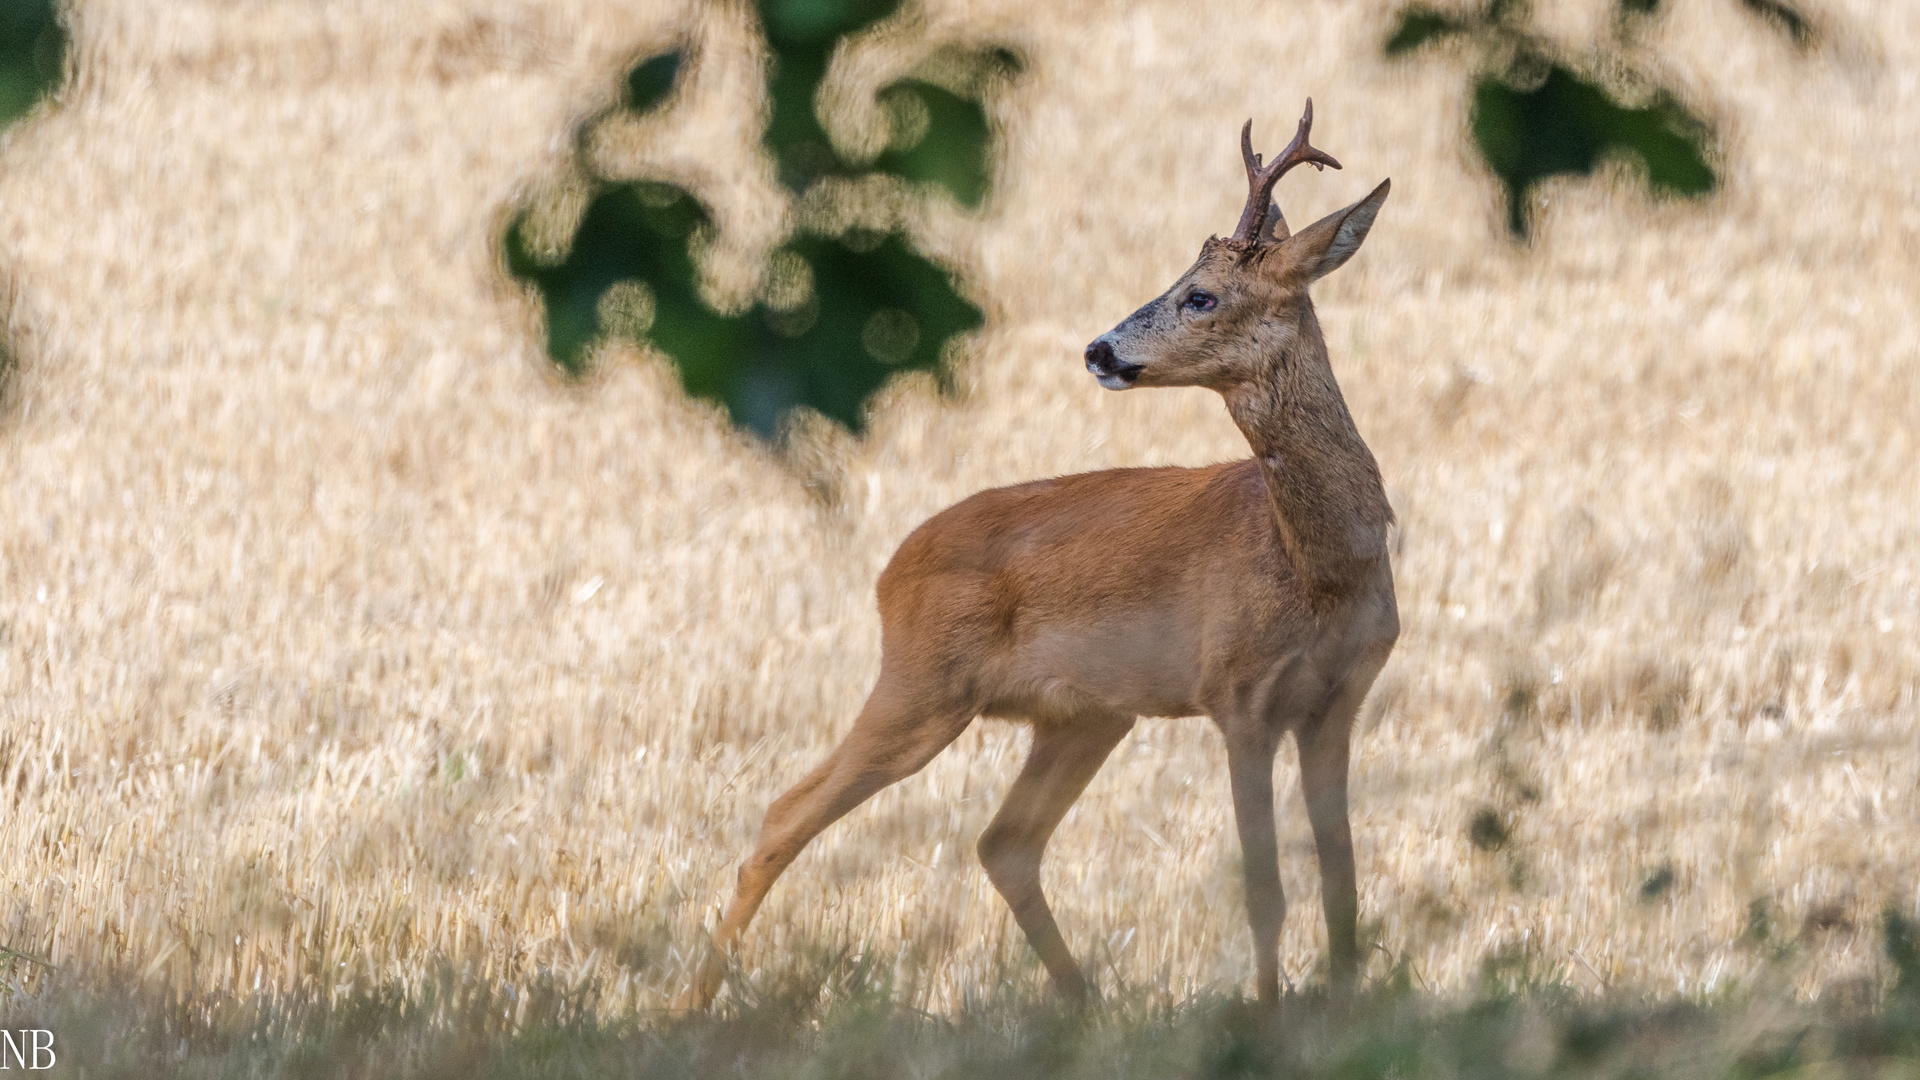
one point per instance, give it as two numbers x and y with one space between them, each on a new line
341 643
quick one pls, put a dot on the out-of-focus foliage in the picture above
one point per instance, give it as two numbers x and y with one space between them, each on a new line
1535 115
33 54
857 307
1788 18
838 313
1566 125
33 57
940 136
651 80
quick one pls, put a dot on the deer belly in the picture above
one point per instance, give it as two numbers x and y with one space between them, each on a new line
1142 666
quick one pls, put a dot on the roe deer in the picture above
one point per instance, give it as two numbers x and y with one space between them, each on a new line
1257 593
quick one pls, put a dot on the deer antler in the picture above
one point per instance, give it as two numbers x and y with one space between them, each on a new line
1260 181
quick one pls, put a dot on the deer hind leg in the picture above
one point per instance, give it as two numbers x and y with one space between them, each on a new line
894 737
1065 755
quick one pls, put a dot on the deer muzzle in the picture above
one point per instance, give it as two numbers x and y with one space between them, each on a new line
1107 367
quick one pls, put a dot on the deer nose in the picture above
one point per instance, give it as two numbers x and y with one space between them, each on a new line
1106 366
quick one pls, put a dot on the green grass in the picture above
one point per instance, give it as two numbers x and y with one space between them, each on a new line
840 1017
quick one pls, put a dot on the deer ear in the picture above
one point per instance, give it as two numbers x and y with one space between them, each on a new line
1324 246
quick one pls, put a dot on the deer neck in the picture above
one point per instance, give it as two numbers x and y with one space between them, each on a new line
1325 486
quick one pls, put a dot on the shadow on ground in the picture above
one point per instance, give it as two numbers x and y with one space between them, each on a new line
839 1016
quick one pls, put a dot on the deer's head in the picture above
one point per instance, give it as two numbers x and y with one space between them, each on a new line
1242 309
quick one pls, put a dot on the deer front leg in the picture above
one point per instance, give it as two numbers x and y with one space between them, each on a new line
1065 755
1250 768
1323 780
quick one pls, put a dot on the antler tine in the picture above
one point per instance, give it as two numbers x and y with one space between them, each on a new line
1260 181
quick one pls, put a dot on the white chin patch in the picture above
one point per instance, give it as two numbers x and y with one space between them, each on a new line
1113 382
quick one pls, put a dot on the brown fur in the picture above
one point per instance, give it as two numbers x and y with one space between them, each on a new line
1257 593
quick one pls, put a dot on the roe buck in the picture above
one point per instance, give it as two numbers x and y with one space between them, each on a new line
1255 592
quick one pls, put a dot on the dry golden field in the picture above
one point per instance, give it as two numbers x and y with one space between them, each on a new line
337 637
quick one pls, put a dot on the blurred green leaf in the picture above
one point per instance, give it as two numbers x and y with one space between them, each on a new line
33 54
839 314
1534 116
952 146
802 152
811 25
876 307
883 308
1566 124
1487 831
1509 14
1422 26
1902 939
651 81
802 34
1787 19
1657 884
636 232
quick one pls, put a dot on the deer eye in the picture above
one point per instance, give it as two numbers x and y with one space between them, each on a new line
1199 300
